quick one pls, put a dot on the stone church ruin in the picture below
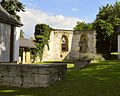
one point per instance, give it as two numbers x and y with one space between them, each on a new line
69 44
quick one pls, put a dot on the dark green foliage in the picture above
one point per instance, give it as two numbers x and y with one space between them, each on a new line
21 49
21 52
42 35
22 34
12 7
82 26
106 24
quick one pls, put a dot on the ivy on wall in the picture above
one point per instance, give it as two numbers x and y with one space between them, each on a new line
42 35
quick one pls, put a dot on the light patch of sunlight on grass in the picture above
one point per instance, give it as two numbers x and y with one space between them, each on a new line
102 79
87 69
94 61
6 91
70 65
114 53
102 67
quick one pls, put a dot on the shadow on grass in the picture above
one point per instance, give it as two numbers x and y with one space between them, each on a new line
99 79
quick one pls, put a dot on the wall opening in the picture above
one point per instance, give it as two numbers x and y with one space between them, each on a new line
64 43
83 44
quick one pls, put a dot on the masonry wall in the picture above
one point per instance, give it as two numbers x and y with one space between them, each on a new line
29 75
75 49
54 52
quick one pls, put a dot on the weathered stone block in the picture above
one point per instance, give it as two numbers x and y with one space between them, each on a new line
17 80
42 79
28 80
44 70
31 75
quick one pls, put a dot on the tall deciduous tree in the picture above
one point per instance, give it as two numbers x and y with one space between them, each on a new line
42 35
82 26
12 7
106 24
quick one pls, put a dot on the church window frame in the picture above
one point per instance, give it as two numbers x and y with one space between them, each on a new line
64 43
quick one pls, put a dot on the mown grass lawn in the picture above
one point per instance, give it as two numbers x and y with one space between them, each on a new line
100 79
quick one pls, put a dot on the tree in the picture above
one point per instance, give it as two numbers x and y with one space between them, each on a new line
82 26
21 49
106 24
12 7
42 35
21 33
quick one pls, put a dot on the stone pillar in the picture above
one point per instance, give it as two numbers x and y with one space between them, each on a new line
119 47
23 57
27 56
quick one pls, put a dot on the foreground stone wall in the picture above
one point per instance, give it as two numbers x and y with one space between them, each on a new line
30 75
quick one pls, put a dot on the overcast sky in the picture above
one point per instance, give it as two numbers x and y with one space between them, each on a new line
61 14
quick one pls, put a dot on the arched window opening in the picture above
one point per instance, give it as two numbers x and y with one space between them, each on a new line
83 44
64 43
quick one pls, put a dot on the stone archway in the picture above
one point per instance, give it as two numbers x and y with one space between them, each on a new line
64 43
83 44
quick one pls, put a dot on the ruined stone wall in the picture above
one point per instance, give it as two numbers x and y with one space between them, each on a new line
29 75
75 49
55 54
91 42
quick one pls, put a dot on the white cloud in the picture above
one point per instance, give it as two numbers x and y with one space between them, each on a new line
31 17
75 9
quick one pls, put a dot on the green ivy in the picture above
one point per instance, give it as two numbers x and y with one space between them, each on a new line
42 35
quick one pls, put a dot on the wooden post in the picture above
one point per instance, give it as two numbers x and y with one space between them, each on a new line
12 44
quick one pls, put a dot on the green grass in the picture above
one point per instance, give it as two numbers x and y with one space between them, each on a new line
99 79
114 55
70 65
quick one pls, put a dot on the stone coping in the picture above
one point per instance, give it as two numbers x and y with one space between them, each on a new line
40 65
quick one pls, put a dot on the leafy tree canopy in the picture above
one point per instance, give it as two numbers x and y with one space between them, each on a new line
42 35
82 26
12 7
106 24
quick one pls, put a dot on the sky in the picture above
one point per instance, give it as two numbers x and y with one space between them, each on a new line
59 14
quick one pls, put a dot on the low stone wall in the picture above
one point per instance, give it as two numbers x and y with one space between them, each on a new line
31 75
